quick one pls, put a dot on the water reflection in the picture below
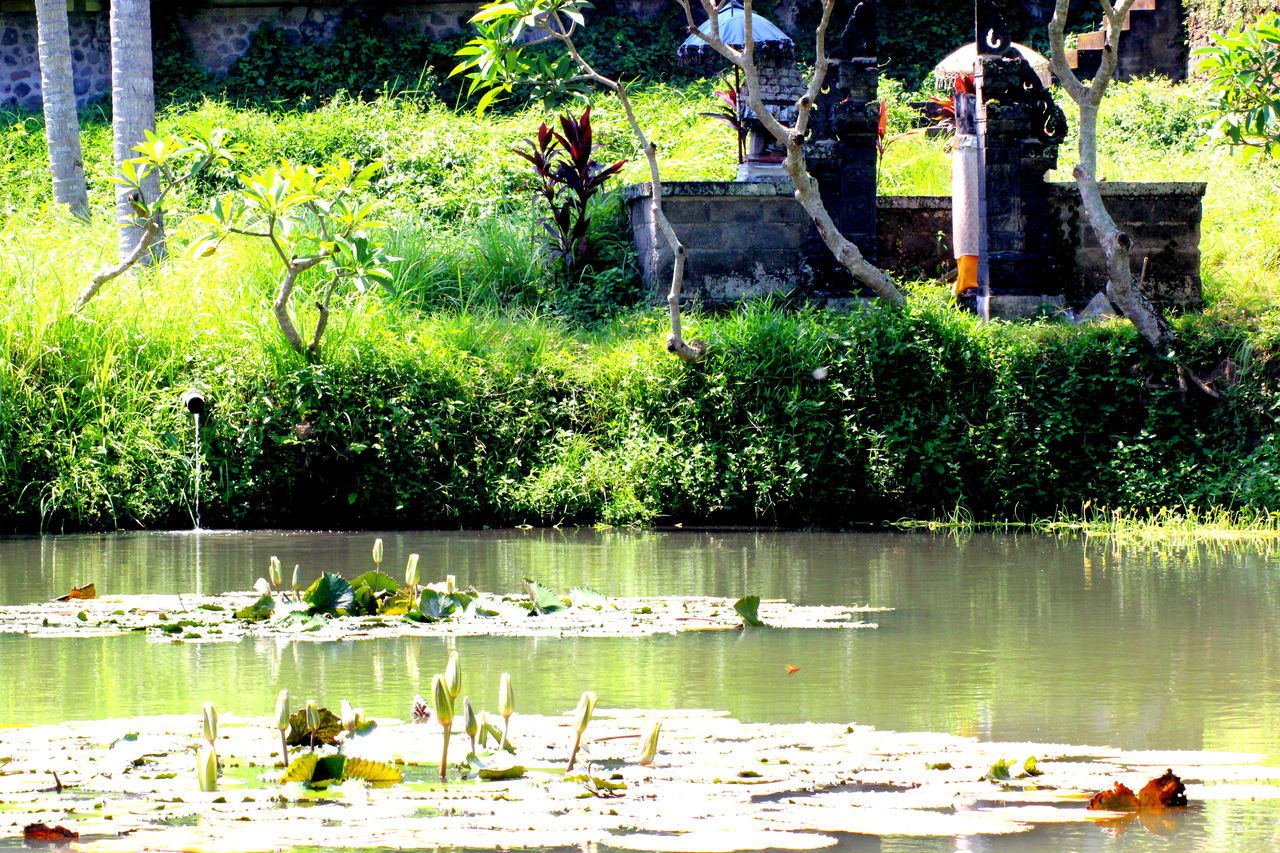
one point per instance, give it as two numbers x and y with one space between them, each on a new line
996 637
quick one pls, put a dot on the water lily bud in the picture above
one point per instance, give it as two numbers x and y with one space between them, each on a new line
450 584
506 698
261 587
348 716
469 721
649 746
442 701
411 576
210 722
453 675
582 716
282 710
207 767
296 586
377 551
313 716
274 573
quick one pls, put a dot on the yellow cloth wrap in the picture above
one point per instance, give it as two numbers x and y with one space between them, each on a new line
967 273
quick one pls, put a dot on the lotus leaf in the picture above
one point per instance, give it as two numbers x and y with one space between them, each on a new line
327 733
259 611
581 596
544 598
748 609
435 606
330 595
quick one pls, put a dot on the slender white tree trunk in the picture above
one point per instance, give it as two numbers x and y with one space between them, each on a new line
57 91
133 105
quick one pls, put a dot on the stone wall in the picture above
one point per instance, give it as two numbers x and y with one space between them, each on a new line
749 239
220 34
20 63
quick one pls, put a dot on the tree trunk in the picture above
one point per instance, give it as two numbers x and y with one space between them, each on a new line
133 110
58 92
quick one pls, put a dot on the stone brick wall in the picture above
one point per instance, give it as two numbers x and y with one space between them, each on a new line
748 239
220 34
20 64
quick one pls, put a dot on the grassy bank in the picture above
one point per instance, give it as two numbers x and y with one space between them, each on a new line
484 389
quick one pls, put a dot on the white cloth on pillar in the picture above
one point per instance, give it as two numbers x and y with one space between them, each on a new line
966 222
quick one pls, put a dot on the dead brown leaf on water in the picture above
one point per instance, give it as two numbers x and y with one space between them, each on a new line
1162 792
80 593
43 834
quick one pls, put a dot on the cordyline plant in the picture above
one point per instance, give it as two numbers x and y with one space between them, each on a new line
314 218
731 114
174 161
568 176
497 60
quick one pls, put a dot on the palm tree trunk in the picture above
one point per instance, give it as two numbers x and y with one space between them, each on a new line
133 105
62 125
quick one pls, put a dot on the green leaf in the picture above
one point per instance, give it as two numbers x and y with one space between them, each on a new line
1029 768
329 769
301 769
373 772
1000 771
331 595
377 582
748 608
435 606
258 611
581 596
300 735
545 600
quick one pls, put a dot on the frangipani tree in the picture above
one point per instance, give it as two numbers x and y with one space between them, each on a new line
313 218
497 60
792 136
1116 244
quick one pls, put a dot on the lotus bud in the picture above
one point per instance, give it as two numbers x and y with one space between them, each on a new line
469 722
282 723
484 729
274 573
209 724
450 584
207 767
313 716
506 705
581 717
586 707
262 587
441 700
411 576
506 698
377 552
444 713
349 719
649 746
453 675
297 587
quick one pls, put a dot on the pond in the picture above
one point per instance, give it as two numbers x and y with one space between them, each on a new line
996 637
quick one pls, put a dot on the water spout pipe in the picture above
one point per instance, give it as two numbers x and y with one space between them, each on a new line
193 401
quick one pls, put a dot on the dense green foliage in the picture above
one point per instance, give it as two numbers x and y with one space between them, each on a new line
1243 67
482 391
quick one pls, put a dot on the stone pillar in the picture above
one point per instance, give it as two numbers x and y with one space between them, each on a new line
842 151
1020 128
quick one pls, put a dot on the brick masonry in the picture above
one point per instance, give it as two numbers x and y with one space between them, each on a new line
220 34
748 239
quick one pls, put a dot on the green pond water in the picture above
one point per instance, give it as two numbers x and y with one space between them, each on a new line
1001 638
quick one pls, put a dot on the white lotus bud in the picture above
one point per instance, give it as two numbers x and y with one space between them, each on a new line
282 710
469 722
262 587
209 723
377 551
313 716
411 576
649 746
453 675
442 701
450 584
207 767
274 573
586 707
296 586
506 697
349 719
